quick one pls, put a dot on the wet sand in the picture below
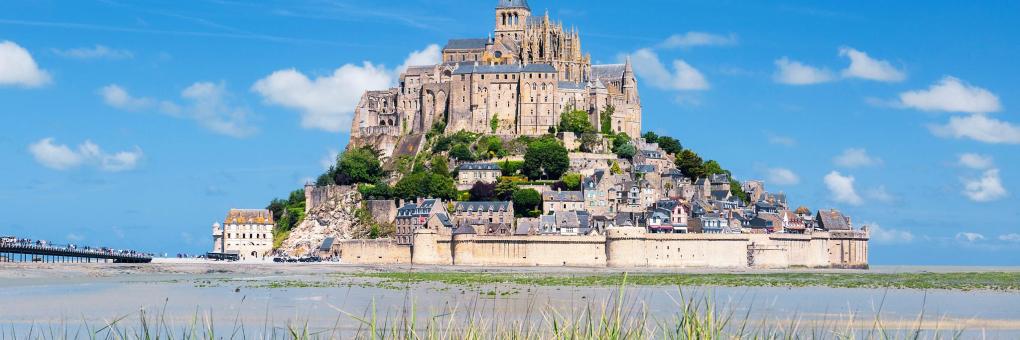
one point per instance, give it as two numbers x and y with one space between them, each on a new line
258 294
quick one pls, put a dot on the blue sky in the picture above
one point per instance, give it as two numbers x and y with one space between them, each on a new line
138 124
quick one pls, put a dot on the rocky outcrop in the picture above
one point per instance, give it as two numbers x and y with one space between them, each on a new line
333 215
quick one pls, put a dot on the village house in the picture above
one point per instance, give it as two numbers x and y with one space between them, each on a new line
248 233
470 173
483 213
554 201
427 213
832 220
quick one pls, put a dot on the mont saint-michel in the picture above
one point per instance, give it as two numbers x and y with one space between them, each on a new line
517 150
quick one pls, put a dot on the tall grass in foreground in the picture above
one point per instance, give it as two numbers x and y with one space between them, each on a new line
616 318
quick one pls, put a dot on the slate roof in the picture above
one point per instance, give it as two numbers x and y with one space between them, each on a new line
720 195
481 206
445 220
651 154
832 220
466 44
644 168
249 216
666 204
501 68
513 4
609 72
478 166
563 196
569 85
326 244
719 178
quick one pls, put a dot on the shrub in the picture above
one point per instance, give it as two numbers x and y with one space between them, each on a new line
545 159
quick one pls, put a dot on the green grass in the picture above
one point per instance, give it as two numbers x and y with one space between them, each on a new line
999 281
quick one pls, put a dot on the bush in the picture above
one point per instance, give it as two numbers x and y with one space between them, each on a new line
626 151
425 184
511 168
571 181
359 165
527 203
489 147
606 120
670 145
575 121
505 189
462 153
545 159
483 191
381 190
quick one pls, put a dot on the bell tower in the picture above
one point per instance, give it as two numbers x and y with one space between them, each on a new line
511 18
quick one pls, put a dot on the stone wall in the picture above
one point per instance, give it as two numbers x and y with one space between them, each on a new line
629 247
383 211
382 251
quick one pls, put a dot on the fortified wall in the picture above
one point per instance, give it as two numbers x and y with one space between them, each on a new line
622 247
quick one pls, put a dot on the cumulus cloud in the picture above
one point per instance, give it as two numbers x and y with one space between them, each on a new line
841 188
791 72
327 102
61 157
683 77
980 128
951 94
206 103
864 67
782 176
986 188
18 68
95 52
889 235
976 161
692 39
1010 237
969 237
856 158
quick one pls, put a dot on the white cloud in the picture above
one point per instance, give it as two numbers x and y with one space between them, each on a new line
327 102
986 188
781 140
980 128
951 95
782 176
1010 237
18 68
95 52
61 157
431 55
976 161
792 72
684 77
692 39
889 235
969 237
880 194
329 159
856 158
864 67
206 103
841 188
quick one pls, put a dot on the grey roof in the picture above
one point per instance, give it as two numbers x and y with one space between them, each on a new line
513 4
666 204
482 206
833 220
466 44
720 195
644 168
478 166
525 225
326 244
569 85
464 229
567 219
502 68
651 154
445 220
673 173
608 72
563 196
719 178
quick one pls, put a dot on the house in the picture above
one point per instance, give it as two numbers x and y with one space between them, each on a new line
671 214
765 223
484 213
528 226
568 223
554 201
470 173
711 223
719 182
596 192
245 232
427 213
832 220
792 222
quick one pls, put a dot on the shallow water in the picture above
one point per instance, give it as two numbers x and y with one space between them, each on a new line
232 300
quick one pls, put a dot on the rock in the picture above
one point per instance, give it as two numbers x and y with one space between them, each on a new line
335 216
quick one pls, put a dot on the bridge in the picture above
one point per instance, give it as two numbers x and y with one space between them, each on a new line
31 252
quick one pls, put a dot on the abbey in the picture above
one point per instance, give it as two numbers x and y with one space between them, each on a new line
518 81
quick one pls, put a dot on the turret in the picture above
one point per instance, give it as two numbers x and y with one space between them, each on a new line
511 17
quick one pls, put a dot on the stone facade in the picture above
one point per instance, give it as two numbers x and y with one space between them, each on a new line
622 247
249 232
470 173
517 82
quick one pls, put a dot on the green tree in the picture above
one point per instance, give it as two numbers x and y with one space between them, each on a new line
589 142
690 164
505 189
359 165
713 168
650 137
527 202
619 140
571 180
575 121
382 190
494 123
440 165
545 159
670 145
615 168
462 153
483 191
606 120
489 147
626 151
510 168
738 191
425 184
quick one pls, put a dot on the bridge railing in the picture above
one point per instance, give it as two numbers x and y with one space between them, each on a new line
67 250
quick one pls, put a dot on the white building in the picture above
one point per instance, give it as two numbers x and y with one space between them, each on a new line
246 232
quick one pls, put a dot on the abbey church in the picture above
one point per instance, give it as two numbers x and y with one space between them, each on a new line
517 81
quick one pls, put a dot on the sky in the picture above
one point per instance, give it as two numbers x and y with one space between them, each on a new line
138 124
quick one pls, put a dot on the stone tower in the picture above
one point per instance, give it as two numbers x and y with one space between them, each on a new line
511 18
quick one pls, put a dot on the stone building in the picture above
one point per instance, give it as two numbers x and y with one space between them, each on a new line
425 214
247 232
516 82
483 213
470 173
554 201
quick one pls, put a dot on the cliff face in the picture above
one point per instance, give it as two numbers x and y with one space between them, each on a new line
334 213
